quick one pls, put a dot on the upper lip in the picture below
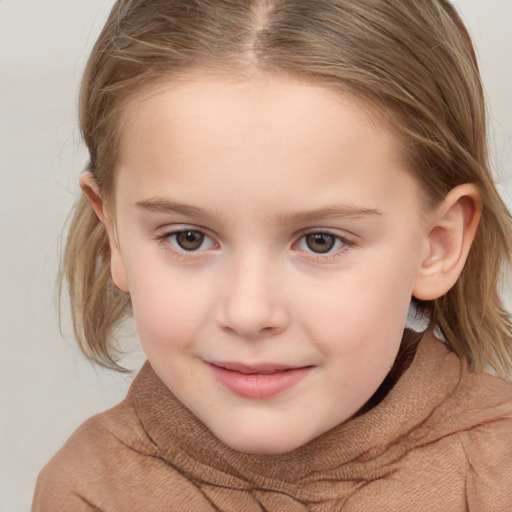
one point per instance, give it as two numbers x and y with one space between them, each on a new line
261 368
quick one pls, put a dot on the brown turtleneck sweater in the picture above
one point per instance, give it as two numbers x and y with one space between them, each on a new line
440 441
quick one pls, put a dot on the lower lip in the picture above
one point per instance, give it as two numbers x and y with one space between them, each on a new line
259 386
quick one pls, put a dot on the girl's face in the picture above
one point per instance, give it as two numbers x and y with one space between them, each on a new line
270 236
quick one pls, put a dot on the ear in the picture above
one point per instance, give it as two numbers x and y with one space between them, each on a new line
451 232
92 192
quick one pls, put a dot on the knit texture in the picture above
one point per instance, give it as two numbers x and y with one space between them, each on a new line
440 441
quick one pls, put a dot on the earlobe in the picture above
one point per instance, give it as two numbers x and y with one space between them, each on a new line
117 270
92 193
450 235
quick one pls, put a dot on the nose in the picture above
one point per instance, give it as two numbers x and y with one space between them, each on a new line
251 303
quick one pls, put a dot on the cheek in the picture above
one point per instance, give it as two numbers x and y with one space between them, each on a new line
169 307
361 310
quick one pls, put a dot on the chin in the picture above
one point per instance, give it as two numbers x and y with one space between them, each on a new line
263 443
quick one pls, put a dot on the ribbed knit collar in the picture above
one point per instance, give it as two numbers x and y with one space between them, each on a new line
360 449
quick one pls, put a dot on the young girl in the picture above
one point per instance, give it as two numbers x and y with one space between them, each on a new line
271 184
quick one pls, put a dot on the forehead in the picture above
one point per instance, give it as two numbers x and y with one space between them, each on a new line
253 99
257 133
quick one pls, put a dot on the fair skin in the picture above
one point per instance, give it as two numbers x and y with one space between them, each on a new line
271 237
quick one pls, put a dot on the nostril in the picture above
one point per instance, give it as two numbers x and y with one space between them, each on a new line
251 333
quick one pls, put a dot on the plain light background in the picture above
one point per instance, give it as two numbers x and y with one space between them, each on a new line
47 386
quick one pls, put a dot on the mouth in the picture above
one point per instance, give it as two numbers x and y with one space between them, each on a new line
258 381
262 369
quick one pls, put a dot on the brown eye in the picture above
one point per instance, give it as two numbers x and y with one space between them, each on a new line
189 240
320 242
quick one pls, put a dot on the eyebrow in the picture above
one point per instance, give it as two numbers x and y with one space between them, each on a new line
157 205
330 212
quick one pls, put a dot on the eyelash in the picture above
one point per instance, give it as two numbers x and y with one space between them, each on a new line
346 245
183 254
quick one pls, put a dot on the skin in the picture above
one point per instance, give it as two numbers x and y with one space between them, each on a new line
255 165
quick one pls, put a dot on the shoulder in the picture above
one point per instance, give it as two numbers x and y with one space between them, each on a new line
89 457
475 422
487 442
483 403
469 401
480 407
463 447
112 463
488 452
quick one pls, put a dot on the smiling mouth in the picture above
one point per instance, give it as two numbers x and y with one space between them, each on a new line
263 369
257 381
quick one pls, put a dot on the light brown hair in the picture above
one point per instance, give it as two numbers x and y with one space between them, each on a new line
413 60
